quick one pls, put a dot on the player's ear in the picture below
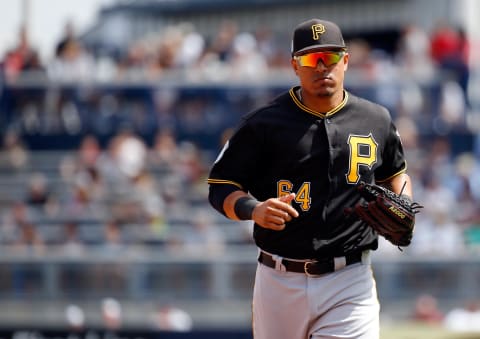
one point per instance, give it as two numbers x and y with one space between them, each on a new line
294 64
345 61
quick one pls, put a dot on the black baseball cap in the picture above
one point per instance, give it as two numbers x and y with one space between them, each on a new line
316 33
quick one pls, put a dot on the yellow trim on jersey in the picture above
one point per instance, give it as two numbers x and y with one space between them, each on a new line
404 170
318 114
227 182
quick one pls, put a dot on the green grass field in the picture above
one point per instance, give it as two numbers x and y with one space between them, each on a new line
417 331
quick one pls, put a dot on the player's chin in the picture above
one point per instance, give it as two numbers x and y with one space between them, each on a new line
324 92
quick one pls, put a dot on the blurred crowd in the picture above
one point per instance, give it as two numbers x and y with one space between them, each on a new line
160 188
162 317
126 195
129 194
235 54
464 318
229 55
448 186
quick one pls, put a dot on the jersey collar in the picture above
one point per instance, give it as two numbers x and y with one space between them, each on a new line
298 102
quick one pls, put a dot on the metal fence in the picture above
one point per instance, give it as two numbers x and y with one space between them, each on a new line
206 285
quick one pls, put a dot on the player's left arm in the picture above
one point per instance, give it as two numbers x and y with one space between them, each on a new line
400 184
393 173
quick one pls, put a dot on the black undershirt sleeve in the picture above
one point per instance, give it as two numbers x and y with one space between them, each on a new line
217 194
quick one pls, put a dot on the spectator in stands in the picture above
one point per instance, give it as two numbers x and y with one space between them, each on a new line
73 63
89 151
247 61
41 197
437 232
218 53
165 157
465 186
30 243
131 153
16 215
82 169
464 319
15 153
204 237
165 152
111 244
362 64
29 239
75 318
114 240
168 48
140 187
33 68
180 47
67 36
165 101
71 242
131 63
439 157
276 57
38 191
20 236
221 45
192 47
409 132
450 49
190 164
172 318
448 239
23 57
112 314
80 201
445 44
427 311
413 53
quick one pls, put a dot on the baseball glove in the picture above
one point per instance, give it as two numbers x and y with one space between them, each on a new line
391 215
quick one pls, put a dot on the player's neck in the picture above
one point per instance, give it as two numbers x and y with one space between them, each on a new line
321 103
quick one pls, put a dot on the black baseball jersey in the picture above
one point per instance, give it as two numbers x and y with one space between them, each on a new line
286 147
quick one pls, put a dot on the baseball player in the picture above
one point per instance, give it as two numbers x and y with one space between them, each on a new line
292 167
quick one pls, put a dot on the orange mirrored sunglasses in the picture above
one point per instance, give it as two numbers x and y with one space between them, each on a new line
327 58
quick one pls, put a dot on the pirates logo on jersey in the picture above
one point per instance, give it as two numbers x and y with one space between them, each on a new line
363 152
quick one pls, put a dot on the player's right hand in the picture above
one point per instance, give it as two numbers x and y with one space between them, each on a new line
274 213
